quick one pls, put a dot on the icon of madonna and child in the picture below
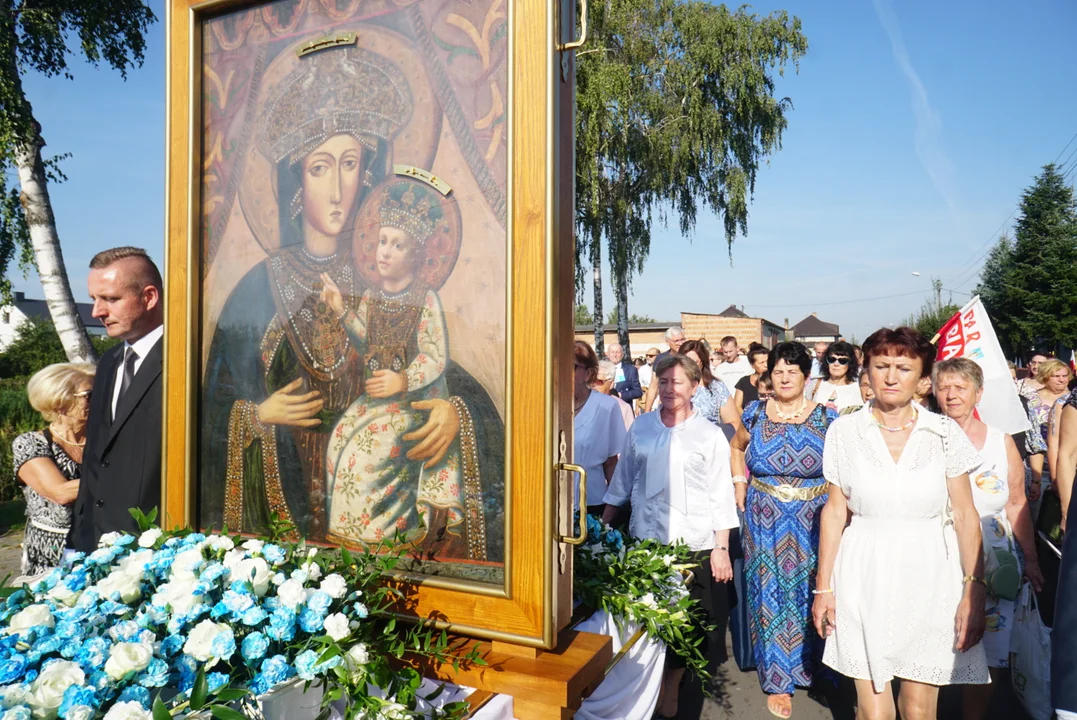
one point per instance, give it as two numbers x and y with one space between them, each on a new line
330 395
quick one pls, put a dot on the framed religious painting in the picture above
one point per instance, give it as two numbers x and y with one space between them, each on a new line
369 289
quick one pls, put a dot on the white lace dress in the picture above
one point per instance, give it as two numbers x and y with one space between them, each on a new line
897 577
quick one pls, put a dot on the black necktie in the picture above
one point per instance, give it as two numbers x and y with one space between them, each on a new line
128 373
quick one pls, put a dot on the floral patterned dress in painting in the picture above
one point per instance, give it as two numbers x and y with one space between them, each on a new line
373 490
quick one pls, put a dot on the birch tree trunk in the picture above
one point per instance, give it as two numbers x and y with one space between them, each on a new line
600 319
621 290
50 260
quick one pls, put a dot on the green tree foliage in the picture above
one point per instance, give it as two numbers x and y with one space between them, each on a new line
41 36
584 316
1029 286
36 345
930 318
675 112
633 319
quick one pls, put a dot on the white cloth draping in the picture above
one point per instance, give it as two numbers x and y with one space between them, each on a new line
630 691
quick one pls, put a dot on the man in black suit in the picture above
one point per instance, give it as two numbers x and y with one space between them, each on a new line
626 383
121 465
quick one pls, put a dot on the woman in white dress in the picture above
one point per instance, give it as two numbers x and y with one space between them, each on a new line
900 591
598 428
998 491
675 470
838 388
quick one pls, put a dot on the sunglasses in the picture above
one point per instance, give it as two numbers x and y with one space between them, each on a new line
652 356
838 360
83 394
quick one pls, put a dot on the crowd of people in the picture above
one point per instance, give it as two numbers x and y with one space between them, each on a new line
886 529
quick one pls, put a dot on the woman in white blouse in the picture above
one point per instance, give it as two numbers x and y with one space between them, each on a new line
900 591
675 470
838 388
598 428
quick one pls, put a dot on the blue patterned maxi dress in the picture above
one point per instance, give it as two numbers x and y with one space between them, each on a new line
781 541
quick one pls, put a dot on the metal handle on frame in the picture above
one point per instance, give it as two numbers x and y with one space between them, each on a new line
575 44
582 475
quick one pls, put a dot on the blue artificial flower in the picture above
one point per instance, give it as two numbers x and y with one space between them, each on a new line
48 644
172 645
68 630
124 631
93 654
319 601
136 693
19 712
361 611
254 616
254 647
224 644
77 695
101 681
273 553
241 586
213 572
307 667
124 541
187 667
237 603
194 539
219 611
281 624
216 681
12 668
311 621
172 542
155 675
275 670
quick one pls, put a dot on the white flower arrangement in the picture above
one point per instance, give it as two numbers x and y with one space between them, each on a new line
164 624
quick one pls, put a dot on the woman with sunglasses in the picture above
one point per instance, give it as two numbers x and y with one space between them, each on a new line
47 461
838 388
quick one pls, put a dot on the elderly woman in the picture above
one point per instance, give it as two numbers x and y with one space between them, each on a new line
838 388
607 374
675 469
780 443
900 590
747 388
598 428
712 398
47 461
998 492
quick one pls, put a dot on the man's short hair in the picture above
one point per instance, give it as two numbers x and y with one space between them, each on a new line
150 275
728 339
674 332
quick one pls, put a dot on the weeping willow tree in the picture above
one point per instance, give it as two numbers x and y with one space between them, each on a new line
675 110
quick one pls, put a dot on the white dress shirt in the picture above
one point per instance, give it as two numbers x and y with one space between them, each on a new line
678 479
142 347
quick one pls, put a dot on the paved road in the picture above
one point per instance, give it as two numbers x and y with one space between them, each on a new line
737 693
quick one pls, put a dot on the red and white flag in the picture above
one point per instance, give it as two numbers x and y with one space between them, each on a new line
969 334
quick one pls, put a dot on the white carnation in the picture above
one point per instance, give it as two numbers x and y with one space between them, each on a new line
219 542
108 539
179 594
292 594
254 570
253 545
187 563
127 585
334 586
199 643
61 593
355 660
336 626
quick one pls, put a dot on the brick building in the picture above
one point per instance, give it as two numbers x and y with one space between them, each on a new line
735 322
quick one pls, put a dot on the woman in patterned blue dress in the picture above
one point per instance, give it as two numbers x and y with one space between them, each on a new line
781 445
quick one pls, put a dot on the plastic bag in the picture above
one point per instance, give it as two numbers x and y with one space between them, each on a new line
1030 657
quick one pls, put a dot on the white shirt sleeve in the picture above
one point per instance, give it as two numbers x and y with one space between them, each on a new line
722 498
621 485
616 432
831 455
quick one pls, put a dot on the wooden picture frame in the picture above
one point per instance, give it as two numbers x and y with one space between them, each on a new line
532 601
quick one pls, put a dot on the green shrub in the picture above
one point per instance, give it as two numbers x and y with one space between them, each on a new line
16 417
36 345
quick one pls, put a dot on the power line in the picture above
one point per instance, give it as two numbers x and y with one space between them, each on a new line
1067 146
858 300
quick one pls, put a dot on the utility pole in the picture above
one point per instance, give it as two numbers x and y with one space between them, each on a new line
937 284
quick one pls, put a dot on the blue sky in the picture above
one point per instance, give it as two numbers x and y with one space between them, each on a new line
916 125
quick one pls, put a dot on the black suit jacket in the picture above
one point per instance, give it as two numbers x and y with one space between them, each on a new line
1064 633
121 465
630 389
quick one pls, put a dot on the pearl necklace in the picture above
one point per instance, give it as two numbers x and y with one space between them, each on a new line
795 414
64 440
887 428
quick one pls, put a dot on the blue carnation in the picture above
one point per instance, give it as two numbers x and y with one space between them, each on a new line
124 541
273 553
155 675
172 644
219 611
281 624
19 712
194 539
275 670
307 667
136 693
216 681
49 644
254 616
77 695
237 603
68 630
361 611
101 681
319 601
93 654
311 621
187 667
241 586
254 646
224 644
12 668
213 572
125 631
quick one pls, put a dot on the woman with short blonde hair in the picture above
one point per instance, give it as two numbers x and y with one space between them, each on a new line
47 461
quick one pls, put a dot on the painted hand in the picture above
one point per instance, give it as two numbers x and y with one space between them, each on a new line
331 295
287 407
437 435
386 383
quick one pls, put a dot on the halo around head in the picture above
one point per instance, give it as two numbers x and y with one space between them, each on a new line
430 218
377 90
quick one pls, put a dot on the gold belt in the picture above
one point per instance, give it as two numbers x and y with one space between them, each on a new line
788 493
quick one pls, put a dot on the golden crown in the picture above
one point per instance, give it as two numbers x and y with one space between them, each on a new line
346 90
410 207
